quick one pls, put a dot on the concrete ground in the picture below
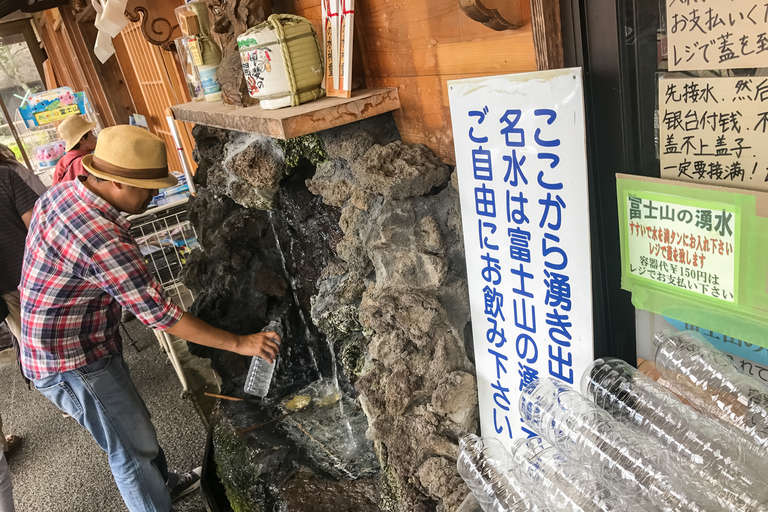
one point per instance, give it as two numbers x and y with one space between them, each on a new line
59 468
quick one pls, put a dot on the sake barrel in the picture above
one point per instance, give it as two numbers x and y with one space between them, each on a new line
281 61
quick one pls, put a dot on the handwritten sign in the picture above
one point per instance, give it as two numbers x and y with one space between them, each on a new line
713 130
521 162
717 34
691 248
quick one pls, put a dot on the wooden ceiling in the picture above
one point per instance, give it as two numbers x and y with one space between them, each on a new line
10 6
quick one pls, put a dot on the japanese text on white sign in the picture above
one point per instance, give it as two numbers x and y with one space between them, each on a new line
714 130
521 160
717 34
688 248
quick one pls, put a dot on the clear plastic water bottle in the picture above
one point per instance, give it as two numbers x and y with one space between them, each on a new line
712 384
697 444
484 464
565 485
631 464
260 373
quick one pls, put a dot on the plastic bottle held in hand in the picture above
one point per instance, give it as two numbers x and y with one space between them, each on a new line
260 373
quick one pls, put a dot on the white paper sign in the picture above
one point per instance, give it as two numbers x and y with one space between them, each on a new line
713 130
690 247
521 161
717 34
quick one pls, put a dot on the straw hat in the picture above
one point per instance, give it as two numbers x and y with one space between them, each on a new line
130 155
72 130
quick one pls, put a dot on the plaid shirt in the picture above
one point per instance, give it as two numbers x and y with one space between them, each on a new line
81 264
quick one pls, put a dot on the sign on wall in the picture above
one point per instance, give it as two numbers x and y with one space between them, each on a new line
696 252
713 130
717 34
521 162
690 246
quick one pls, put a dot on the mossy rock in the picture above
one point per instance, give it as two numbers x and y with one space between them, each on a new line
305 146
239 478
340 323
353 355
246 471
391 493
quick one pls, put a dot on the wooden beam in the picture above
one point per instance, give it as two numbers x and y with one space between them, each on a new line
85 62
56 22
50 76
547 34
64 65
109 77
88 14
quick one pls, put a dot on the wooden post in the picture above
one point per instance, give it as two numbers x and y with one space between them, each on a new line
547 34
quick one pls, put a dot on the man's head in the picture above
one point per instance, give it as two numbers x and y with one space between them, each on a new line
126 198
76 132
87 143
128 167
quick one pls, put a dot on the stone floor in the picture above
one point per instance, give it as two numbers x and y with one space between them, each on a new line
59 468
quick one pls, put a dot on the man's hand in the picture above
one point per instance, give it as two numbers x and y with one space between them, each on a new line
262 344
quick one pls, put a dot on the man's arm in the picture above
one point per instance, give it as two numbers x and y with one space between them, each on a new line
119 269
198 331
27 217
23 197
58 173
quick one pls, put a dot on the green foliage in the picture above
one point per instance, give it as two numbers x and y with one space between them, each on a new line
305 146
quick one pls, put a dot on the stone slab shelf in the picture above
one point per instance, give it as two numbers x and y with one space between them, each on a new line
286 123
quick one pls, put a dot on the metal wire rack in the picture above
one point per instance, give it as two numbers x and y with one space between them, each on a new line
166 237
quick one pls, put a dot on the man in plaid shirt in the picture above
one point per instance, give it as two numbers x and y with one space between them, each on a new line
81 267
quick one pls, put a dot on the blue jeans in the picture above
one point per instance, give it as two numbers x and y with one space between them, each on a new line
102 397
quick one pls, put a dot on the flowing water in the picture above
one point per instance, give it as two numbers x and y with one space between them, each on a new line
292 280
310 337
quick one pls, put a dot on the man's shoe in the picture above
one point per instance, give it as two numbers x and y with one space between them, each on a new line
181 484
14 443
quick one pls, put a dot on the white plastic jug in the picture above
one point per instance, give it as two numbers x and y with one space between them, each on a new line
103 48
113 18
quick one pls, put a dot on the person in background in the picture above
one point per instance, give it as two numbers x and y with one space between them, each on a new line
8 159
79 141
16 204
81 266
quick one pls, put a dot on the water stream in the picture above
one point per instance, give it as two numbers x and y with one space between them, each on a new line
292 280
310 337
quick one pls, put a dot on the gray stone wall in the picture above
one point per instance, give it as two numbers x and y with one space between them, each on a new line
381 274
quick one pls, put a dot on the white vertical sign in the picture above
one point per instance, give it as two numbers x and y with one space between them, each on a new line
521 161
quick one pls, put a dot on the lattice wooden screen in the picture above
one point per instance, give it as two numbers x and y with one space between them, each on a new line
155 85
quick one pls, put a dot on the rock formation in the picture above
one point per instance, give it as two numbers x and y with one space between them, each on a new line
369 257
230 19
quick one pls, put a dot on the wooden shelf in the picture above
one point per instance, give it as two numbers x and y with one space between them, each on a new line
286 123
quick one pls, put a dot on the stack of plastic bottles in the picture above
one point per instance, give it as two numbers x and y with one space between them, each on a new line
630 444
484 464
